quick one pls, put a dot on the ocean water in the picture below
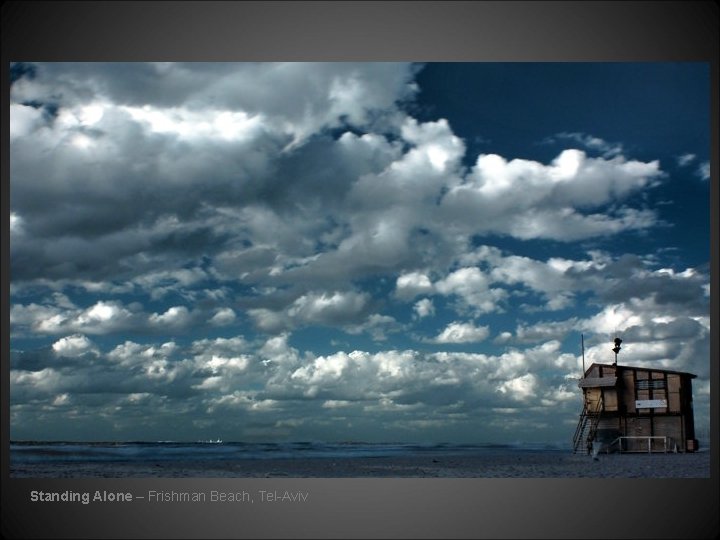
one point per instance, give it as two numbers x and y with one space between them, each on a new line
336 460
34 452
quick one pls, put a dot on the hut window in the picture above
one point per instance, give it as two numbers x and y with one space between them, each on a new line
654 384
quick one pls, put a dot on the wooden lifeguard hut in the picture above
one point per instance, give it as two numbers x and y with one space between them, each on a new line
634 409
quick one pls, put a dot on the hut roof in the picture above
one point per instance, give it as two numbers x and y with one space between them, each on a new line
620 368
594 382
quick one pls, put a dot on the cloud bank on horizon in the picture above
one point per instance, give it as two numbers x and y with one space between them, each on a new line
345 251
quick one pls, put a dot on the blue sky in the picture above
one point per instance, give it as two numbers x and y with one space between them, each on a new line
337 251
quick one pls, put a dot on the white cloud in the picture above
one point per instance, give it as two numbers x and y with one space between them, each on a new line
60 315
203 125
652 334
424 308
44 381
703 170
457 332
336 404
527 199
685 159
376 325
337 308
472 286
544 331
327 308
520 388
24 120
435 146
174 317
161 282
100 318
410 285
590 142
220 345
75 345
613 319
15 224
268 320
210 376
223 317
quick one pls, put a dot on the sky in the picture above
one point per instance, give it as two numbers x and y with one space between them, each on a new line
381 252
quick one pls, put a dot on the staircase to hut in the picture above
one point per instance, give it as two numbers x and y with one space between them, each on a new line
588 422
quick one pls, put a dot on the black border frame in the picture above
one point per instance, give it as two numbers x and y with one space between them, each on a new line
429 30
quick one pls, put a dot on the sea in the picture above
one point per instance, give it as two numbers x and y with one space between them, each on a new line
204 459
33 452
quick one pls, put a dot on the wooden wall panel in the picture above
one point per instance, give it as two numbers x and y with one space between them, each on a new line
610 400
638 427
660 394
628 395
673 383
669 426
608 371
592 396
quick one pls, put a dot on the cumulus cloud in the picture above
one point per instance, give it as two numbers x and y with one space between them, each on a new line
424 308
410 285
174 317
520 388
210 377
472 287
377 326
652 336
223 317
457 332
336 308
588 141
469 284
75 345
544 331
325 308
527 199
101 318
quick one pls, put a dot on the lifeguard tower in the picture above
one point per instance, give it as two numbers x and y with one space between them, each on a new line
633 409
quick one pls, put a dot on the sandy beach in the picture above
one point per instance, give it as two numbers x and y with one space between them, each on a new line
496 465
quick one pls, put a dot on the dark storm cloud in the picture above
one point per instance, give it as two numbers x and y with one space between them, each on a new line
93 189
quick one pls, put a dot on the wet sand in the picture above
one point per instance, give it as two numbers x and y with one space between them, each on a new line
510 465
